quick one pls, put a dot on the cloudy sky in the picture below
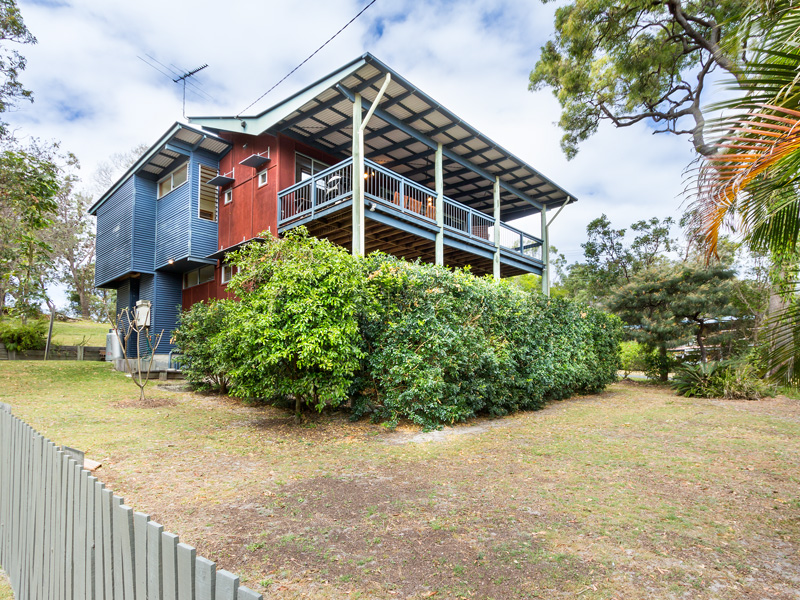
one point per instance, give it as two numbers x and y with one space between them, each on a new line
95 93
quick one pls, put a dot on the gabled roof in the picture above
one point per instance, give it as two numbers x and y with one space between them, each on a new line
403 132
161 157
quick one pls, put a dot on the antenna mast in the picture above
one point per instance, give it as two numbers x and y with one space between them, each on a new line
183 78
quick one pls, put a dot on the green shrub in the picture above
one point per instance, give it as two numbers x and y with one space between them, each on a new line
724 379
316 325
633 357
295 332
200 338
19 337
444 345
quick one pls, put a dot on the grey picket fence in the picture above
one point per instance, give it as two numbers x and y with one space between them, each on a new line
65 536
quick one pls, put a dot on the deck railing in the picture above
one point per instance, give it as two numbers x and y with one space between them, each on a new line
383 186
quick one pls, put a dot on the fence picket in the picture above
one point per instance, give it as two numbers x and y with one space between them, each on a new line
245 593
155 567
205 573
64 536
186 557
227 584
140 546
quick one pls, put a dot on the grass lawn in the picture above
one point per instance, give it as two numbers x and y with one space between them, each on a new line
72 334
634 493
5 588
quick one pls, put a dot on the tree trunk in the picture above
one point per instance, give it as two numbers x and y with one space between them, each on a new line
297 405
664 366
699 337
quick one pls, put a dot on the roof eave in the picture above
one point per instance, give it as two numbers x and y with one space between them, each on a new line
145 158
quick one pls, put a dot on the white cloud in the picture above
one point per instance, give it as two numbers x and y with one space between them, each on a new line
95 95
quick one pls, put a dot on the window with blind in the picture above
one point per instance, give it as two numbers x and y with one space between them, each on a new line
207 203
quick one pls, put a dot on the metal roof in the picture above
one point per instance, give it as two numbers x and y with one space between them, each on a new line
161 158
402 136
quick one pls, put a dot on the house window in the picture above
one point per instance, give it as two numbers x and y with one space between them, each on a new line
174 180
207 201
228 271
262 178
198 276
227 197
306 167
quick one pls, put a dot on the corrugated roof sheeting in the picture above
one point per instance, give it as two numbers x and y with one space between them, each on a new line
404 153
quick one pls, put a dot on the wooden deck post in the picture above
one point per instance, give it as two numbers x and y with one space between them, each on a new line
496 261
358 179
545 254
439 207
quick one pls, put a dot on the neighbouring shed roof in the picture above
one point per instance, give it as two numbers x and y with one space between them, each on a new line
403 134
164 155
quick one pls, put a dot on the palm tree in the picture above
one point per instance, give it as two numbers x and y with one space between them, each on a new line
751 183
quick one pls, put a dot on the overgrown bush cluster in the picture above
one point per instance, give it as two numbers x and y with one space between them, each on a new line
19 337
316 325
734 380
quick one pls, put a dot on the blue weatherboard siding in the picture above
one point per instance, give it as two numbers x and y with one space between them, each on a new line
204 233
144 225
164 290
172 225
114 234
169 293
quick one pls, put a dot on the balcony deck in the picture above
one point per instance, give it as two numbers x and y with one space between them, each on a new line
401 220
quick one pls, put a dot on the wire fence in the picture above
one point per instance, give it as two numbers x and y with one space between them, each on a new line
64 536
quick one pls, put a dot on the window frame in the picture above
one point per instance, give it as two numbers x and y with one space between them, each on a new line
171 177
200 195
265 176
227 196
226 273
200 281
314 164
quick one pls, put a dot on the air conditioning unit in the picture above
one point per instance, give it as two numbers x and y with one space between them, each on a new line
142 312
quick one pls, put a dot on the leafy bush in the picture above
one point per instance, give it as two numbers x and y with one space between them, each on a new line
724 379
19 337
295 332
200 338
444 345
633 357
399 339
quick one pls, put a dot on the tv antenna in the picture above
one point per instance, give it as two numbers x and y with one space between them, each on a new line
183 78
177 74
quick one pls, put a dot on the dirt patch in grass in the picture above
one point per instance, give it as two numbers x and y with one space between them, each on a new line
146 403
634 493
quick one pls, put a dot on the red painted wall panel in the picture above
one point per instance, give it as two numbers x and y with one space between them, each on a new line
254 209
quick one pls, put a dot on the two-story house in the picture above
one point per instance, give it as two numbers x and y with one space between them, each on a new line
361 157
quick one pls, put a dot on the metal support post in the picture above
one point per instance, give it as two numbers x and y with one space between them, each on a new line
545 254
439 207
358 179
496 261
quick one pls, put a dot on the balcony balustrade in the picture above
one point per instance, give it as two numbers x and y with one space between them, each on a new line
399 195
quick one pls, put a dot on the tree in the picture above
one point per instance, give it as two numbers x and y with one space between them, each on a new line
611 261
640 61
750 184
12 63
667 304
29 182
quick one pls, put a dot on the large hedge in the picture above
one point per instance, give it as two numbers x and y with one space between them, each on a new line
400 340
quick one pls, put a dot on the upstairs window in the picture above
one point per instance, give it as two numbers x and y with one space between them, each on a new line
207 202
228 197
263 178
174 180
306 167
